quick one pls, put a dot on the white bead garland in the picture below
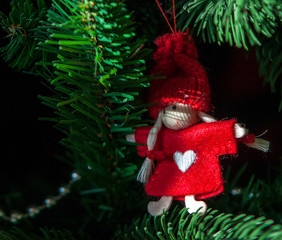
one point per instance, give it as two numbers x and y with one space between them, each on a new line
32 211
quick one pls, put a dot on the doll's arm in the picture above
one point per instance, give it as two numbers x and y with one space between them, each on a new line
239 131
242 134
140 135
250 140
130 138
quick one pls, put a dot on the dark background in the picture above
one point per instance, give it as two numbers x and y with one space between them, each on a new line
30 170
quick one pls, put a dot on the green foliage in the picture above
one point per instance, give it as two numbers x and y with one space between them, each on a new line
261 197
239 23
54 234
269 56
97 76
88 52
46 234
179 224
21 28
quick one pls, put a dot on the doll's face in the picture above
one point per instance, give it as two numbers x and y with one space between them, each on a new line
179 116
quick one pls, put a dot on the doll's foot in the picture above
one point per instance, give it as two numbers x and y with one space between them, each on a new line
158 207
193 205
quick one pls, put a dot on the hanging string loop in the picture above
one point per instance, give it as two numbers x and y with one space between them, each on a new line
173 31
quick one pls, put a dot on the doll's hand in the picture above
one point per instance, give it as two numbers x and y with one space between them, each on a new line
130 138
239 131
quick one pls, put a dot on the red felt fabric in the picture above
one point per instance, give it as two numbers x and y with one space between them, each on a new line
250 138
203 178
144 152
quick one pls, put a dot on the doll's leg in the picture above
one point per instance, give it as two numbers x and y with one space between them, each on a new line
193 205
158 207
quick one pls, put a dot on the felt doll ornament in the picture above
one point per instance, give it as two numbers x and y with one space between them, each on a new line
185 142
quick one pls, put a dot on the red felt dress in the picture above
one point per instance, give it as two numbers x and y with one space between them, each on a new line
203 178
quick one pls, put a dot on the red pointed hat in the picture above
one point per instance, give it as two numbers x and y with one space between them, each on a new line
185 79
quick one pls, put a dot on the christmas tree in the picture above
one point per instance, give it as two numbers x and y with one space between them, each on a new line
76 76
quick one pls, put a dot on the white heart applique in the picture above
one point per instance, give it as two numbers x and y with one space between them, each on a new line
184 161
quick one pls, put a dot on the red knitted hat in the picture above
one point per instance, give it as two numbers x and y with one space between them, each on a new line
185 79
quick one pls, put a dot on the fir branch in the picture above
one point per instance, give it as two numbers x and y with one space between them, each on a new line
55 234
16 233
90 55
21 29
239 23
212 225
97 75
269 56
261 197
